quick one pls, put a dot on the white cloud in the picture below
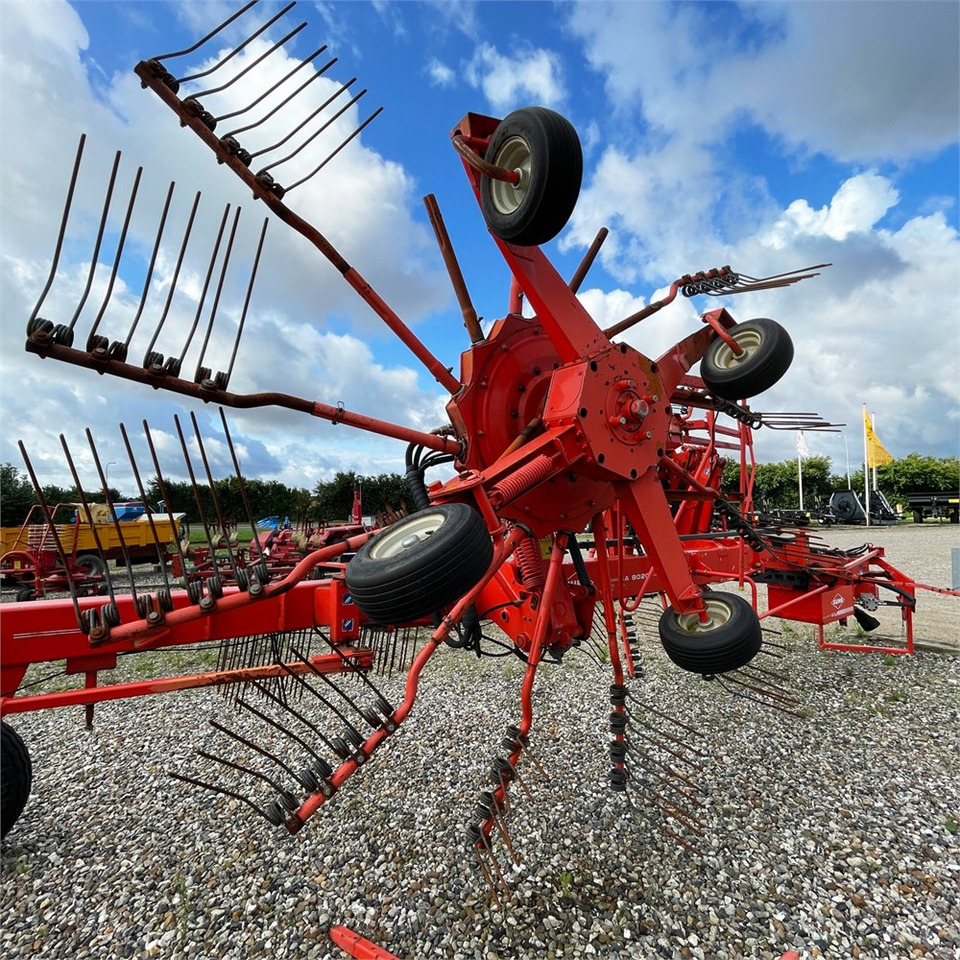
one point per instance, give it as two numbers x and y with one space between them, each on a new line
508 82
440 74
363 202
859 203
857 81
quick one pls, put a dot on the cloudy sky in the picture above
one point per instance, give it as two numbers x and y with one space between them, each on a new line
765 135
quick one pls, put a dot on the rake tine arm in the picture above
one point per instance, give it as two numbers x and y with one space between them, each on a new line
453 269
232 601
587 262
263 190
44 347
313 803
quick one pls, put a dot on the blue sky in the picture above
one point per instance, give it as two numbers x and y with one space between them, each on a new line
768 136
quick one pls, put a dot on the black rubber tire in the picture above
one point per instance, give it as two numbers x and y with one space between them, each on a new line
846 507
16 777
447 551
545 147
25 594
91 565
731 642
768 353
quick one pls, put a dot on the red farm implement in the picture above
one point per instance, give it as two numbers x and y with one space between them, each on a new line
585 481
48 554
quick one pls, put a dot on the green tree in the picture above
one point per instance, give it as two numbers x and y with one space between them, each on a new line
16 496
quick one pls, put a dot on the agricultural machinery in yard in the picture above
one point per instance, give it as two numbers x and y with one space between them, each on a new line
585 486
68 544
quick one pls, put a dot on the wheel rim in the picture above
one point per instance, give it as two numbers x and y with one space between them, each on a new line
718 611
513 155
405 535
748 340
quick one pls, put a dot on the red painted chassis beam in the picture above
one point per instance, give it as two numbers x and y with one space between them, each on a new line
348 659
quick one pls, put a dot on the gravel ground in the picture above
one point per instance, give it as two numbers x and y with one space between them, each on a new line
831 830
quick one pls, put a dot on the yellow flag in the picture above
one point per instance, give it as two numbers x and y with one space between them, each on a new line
877 456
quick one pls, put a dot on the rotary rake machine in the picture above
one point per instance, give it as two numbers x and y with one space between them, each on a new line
586 480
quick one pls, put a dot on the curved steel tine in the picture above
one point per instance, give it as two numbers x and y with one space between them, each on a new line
210 35
198 377
253 36
238 474
206 283
198 500
313 136
86 509
116 259
146 502
174 279
215 788
248 67
283 103
150 267
162 485
318 168
63 229
326 103
96 248
45 506
216 500
246 304
113 514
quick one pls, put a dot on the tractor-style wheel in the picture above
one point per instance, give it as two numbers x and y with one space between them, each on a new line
543 147
766 356
729 640
90 565
421 564
16 777
26 593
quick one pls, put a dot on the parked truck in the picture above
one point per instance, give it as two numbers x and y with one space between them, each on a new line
70 542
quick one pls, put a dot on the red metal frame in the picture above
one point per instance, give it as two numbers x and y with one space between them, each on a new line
557 431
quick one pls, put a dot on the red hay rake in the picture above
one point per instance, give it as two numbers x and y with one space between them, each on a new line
585 502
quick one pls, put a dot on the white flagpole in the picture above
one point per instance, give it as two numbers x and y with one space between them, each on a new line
802 452
866 466
800 477
873 424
